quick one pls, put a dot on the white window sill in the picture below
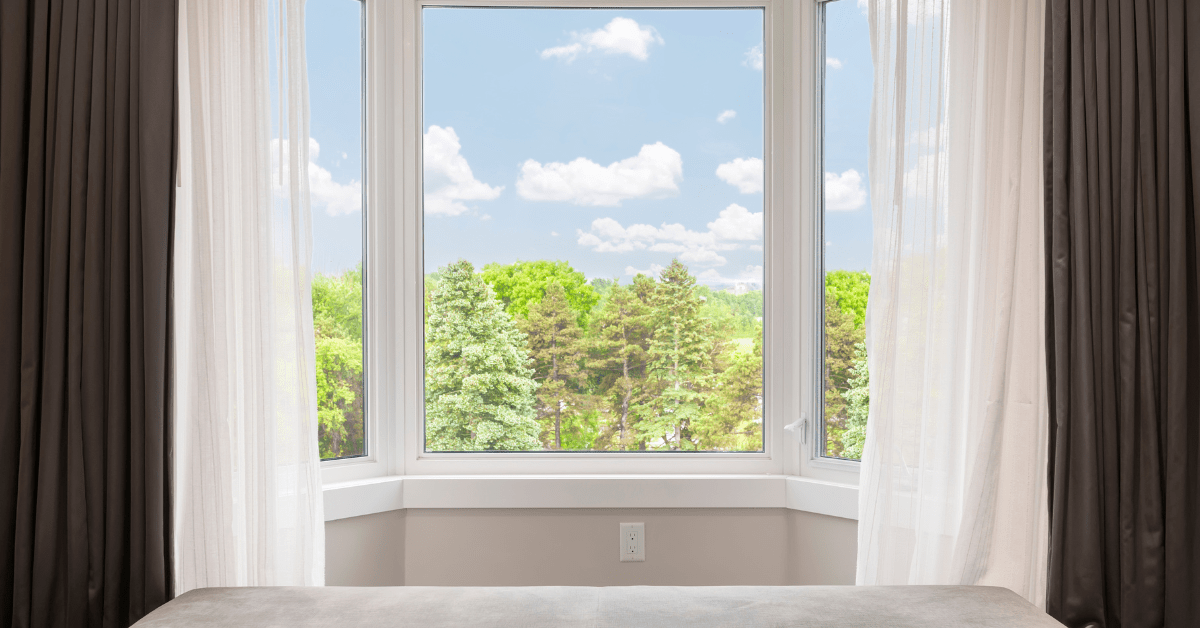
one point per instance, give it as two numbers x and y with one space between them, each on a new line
364 497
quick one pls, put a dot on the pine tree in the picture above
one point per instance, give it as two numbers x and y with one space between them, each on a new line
858 402
840 336
556 348
677 355
733 412
479 391
621 336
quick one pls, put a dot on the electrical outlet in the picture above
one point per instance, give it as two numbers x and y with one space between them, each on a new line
633 542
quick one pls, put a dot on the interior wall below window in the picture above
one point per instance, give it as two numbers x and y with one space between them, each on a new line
530 547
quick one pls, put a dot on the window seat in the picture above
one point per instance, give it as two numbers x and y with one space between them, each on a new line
595 607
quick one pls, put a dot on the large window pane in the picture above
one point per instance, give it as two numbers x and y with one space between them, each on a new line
847 219
593 229
334 44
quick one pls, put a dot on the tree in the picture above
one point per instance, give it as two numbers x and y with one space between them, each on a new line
556 348
858 401
620 340
734 411
848 289
744 311
677 354
841 335
520 285
845 335
337 326
479 391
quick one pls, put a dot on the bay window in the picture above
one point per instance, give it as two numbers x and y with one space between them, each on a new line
593 240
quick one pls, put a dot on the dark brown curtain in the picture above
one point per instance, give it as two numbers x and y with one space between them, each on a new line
87 128
1122 126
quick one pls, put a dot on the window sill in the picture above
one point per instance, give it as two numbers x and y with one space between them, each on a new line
364 497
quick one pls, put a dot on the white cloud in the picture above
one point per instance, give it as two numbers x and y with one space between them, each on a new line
620 36
862 6
654 172
554 233
338 199
569 52
733 226
844 192
750 275
653 271
345 156
486 217
745 174
833 62
754 58
737 223
726 116
448 177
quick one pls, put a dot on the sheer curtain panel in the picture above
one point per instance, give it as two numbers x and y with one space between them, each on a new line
953 473
249 509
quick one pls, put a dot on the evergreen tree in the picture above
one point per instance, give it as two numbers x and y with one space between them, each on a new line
733 415
479 391
840 336
620 340
556 348
678 356
858 401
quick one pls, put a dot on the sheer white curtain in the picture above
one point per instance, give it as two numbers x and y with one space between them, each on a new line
953 484
248 507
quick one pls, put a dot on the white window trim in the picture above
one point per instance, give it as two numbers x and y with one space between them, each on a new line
393 316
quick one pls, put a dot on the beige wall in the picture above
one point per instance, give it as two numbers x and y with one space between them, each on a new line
365 551
734 546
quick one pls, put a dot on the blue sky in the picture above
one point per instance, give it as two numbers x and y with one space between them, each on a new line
603 138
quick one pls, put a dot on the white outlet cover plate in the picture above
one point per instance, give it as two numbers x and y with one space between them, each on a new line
633 542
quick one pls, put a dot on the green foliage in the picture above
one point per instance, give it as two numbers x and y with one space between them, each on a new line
660 364
337 326
734 414
479 391
742 311
848 289
603 286
520 285
581 431
678 357
845 345
858 401
556 349
621 336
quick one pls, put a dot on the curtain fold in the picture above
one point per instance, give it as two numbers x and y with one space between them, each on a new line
953 471
87 165
1122 124
249 506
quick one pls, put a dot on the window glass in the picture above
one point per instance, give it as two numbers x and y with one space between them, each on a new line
847 219
593 229
333 33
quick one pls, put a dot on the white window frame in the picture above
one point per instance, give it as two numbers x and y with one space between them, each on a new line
793 350
813 449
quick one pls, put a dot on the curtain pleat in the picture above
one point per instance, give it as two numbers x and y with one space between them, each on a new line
87 154
1123 311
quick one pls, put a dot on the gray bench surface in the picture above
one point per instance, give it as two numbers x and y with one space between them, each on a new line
595 607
